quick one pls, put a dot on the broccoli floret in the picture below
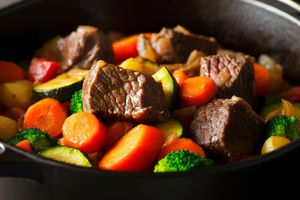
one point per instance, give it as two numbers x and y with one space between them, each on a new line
39 140
76 102
182 160
283 126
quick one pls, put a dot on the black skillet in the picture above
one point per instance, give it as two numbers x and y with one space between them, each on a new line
251 26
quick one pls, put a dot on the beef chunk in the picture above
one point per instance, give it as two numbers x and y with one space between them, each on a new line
115 93
175 45
233 74
227 129
84 47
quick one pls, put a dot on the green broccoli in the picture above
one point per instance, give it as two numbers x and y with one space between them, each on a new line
182 160
76 102
39 140
283 126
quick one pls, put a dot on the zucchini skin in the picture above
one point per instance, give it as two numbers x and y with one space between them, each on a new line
61 94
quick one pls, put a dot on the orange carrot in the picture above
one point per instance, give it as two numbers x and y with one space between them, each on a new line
182 144
85 132
14 113
47 115
24 145
261 79
10 72
197 91
180 77
136 150
126 48
115 130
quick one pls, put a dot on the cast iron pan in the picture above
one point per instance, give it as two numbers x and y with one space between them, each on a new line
251 26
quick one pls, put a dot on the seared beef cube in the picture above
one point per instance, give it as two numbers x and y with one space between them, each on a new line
227 129
111 92
233 74
84 47
174 46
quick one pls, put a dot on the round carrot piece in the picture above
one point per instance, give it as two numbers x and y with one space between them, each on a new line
84 131
262 76
197 91
136 150
10 72
24 145
182 144
47 115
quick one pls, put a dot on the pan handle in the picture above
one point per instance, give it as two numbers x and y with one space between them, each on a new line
14 163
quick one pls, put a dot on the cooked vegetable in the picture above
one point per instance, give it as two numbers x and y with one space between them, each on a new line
182 144
292 94
16 94
125 48
278 107
61 88
171 130
38 139
180 77
180 161
136 150
275 73
76 102
273 143
24 145
47 115
10 72
197 91
8 128
42 70
67 155
283 126
50 49
141 65
169 86
84 131
115 131
261 79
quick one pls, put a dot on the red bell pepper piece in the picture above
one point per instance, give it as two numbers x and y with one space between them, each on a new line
42 70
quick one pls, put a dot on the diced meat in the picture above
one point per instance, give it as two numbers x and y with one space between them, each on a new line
84 47
111 92
233 74
227 129
175 45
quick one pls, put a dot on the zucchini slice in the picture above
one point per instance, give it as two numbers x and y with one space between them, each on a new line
140 64
67 155
171 130
169 86
61 87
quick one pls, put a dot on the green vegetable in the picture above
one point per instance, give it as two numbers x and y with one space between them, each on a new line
38 139
171 130
182 160
283 126
76 102
140 64
169 85
67 155
61 88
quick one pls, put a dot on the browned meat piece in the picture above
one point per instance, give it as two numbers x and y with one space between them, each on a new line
84 47
227 129
175 45
115 93
234 75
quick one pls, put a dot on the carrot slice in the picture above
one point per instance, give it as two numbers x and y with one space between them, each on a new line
115 131
136 150
10 72
24 145
84 131
47 115
182 144
197 91
180 77
262 76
